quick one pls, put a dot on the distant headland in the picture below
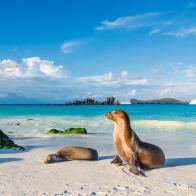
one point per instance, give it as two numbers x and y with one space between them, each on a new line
115 101
111 101
158 101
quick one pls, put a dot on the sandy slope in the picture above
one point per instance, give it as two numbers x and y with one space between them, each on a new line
25 174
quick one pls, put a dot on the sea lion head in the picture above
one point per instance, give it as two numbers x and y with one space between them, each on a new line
117 116
52 158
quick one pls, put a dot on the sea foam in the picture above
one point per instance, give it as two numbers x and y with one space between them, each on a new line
161 124
96 125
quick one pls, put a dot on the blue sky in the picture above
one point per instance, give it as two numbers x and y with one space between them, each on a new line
52 51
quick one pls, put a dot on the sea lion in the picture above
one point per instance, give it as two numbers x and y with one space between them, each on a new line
72 153
130 149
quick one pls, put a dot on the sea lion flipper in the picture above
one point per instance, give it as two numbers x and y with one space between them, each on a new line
116 161
137 172
134 165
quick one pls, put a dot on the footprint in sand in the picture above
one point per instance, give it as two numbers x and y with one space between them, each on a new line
181 186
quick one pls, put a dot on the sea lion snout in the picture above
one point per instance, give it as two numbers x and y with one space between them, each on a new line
116 115
51 158
108 115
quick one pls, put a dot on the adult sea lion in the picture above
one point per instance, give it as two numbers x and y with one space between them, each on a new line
72 153
130 149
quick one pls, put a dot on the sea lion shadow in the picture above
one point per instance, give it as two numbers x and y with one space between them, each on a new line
176 162
32 147
5 160
105 157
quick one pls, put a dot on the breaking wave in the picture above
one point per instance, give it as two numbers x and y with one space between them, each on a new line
161 124
39 126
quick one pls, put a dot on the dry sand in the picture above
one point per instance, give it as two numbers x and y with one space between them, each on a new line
23 173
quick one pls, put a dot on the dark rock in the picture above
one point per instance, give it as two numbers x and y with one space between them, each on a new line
7 143
89 101
111 101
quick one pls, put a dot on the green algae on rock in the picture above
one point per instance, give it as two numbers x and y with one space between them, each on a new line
68 131
7 143
54 131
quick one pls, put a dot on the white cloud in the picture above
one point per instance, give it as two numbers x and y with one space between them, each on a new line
124 74
131 93
46 82
167 92
108 79
69 46
183 32
3 95
143 81
31 67
154 23
154 31
130 22
178 90
190 72
10 68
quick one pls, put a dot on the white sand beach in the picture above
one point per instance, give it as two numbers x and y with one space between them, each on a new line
23 173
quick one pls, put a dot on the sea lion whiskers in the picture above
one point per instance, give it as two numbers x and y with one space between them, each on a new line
52 158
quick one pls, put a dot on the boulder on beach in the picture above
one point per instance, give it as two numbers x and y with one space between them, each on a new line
7 143
68 131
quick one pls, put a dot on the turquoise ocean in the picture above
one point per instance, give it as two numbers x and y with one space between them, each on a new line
37 119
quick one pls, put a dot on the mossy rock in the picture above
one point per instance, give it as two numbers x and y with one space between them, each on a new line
68 131
75 131
6 143
3 135
54 131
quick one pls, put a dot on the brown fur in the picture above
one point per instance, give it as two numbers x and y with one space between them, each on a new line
72 153
129 148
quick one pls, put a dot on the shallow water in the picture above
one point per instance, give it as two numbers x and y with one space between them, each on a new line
35 120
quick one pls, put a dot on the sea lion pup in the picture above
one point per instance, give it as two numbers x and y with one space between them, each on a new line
72 153
130 149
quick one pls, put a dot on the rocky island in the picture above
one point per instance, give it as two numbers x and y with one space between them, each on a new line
89 101
158 101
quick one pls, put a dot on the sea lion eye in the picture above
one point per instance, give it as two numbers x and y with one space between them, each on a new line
53 157
114 112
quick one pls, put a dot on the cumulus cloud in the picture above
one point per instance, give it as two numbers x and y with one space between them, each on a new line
42 81
10 68
69 46
108 79
130 22
31 67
